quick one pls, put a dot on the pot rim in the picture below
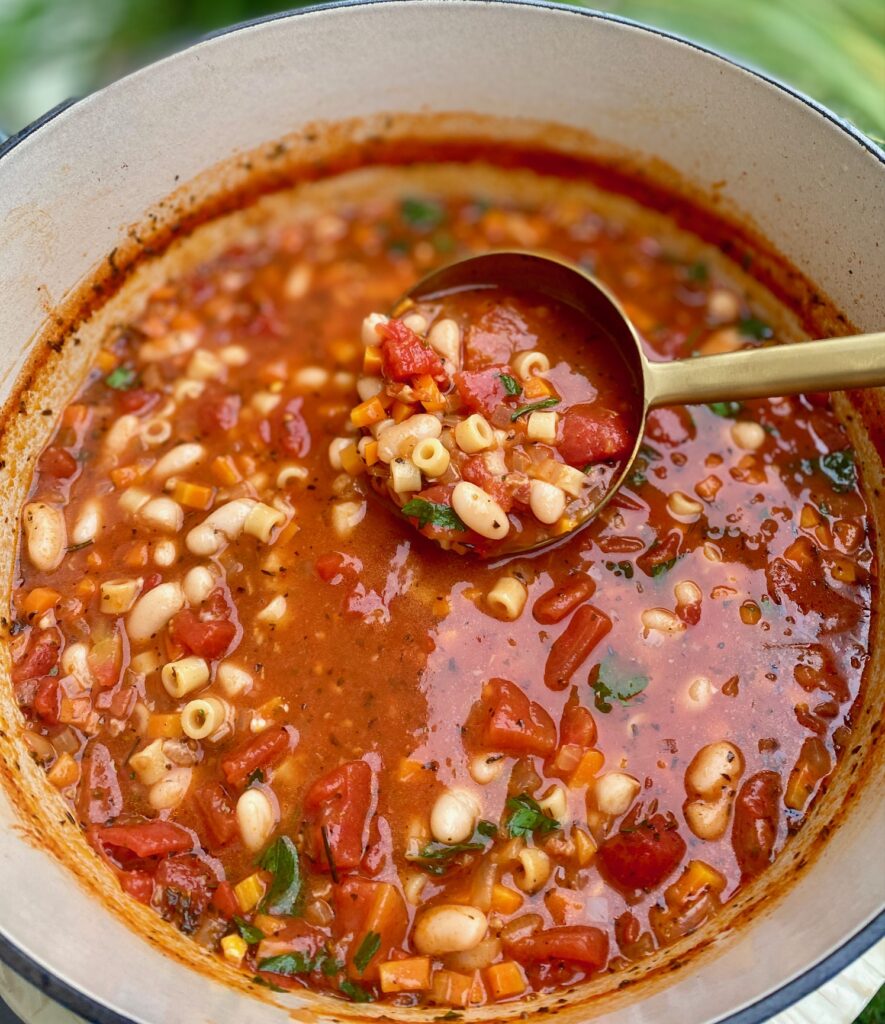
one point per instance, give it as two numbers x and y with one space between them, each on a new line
776 1001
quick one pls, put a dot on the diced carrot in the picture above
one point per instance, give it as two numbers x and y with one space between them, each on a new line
401 411
429 394
351 462
408 769
562 906
367 413
504 980
372 361
588 767
344 352
94 560
65 772
411 975
225 471
245 464
585 846
696 877
371 453
505 900
40 599
288 532
450 988
268 924
193 495
124 476
801 552
165 727
536 387
137 556
86 588
76 416
106 360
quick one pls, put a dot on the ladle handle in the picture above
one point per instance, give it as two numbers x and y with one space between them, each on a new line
829 365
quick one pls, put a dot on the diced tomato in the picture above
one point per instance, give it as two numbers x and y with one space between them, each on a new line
575 943
572 647
511 723
294 936
660 552
334 567
138 884
405 356
186 884
98 796
290 428
592 434
554 605
224 899
338 805
218 411
41 657
137 400
153 579
105 658
364 906
266 748
58 462
577 725
218 813
210 639
643 857
482 390
756 819
147 838
47 700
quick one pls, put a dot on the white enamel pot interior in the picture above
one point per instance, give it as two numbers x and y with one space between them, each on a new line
71 186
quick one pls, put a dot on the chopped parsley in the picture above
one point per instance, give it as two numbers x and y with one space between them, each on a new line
290 964
727 410
423 214
80 546
367 949
511 384
697 271
257 775
248 931
663 567
124 378
487 828
753 327
267 984
527 818
437 855
624 569
610 682
545 403
426 512
281 859
355 992
840 468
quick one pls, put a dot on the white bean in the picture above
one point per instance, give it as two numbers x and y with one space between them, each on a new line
479 511
614 792
708 821
162 514
125 428
449 928
415 428
165 553
224 524
748 435
346 517
87 525
75 662
661 620
445 339
683 508
546 501
178 460
714 770
46 535
171 790
486 768
174 344
153 610
198 584
454 816
256 818
369 334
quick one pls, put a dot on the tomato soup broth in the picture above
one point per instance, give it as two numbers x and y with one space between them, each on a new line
347 760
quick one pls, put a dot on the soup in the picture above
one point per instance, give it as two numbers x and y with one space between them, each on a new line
350 761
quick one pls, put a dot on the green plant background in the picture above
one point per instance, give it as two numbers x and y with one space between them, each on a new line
833 50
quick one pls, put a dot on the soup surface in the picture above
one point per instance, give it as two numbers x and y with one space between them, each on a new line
348 760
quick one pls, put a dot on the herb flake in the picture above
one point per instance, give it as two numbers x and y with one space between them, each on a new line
527 818
611 683
423 214
511 384
281 859
840 469
249 932
753 327
368 948
443 517
355 992
727 410
545 403
124 378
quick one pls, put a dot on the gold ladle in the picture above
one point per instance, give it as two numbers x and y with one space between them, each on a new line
832 364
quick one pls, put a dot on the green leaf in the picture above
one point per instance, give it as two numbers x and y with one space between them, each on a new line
423 214
610 682
487 828
511 384
727 410
289 964
545 403
527 817
368 948
124 378
80 546
267 984
697 271
663 567
249 932
257 775
330 967
356 992
753 327
840 468
441 516
281 859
